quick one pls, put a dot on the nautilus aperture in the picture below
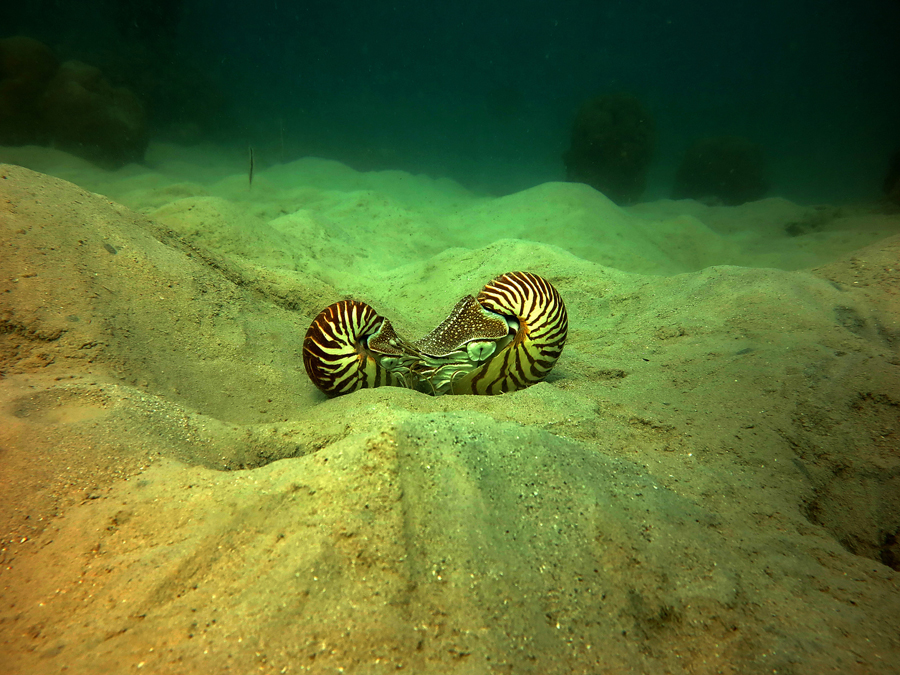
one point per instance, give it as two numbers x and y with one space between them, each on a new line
464 341
507 338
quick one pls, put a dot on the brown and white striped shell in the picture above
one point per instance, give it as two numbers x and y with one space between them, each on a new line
507 338
538 324
349 347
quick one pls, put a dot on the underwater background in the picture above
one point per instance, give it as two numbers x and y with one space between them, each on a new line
485 93
253 255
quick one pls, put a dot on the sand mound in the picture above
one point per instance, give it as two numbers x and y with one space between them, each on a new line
707 482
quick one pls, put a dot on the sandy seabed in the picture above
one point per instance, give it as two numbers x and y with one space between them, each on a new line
708 481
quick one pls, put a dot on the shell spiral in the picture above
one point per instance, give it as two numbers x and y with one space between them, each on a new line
536 306
337 353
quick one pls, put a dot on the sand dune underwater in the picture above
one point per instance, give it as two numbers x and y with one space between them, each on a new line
707 482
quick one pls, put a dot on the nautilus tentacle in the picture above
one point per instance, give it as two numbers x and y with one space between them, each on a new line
537 316
349 347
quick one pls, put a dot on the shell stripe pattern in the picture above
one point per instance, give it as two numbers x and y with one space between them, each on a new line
538 343
335 350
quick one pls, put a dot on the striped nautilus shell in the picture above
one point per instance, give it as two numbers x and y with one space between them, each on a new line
506 338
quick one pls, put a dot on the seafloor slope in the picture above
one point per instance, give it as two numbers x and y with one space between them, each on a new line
709 481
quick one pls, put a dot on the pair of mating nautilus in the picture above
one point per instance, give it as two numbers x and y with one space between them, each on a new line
507 338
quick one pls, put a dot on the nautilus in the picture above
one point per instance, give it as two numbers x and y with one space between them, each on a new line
506 338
